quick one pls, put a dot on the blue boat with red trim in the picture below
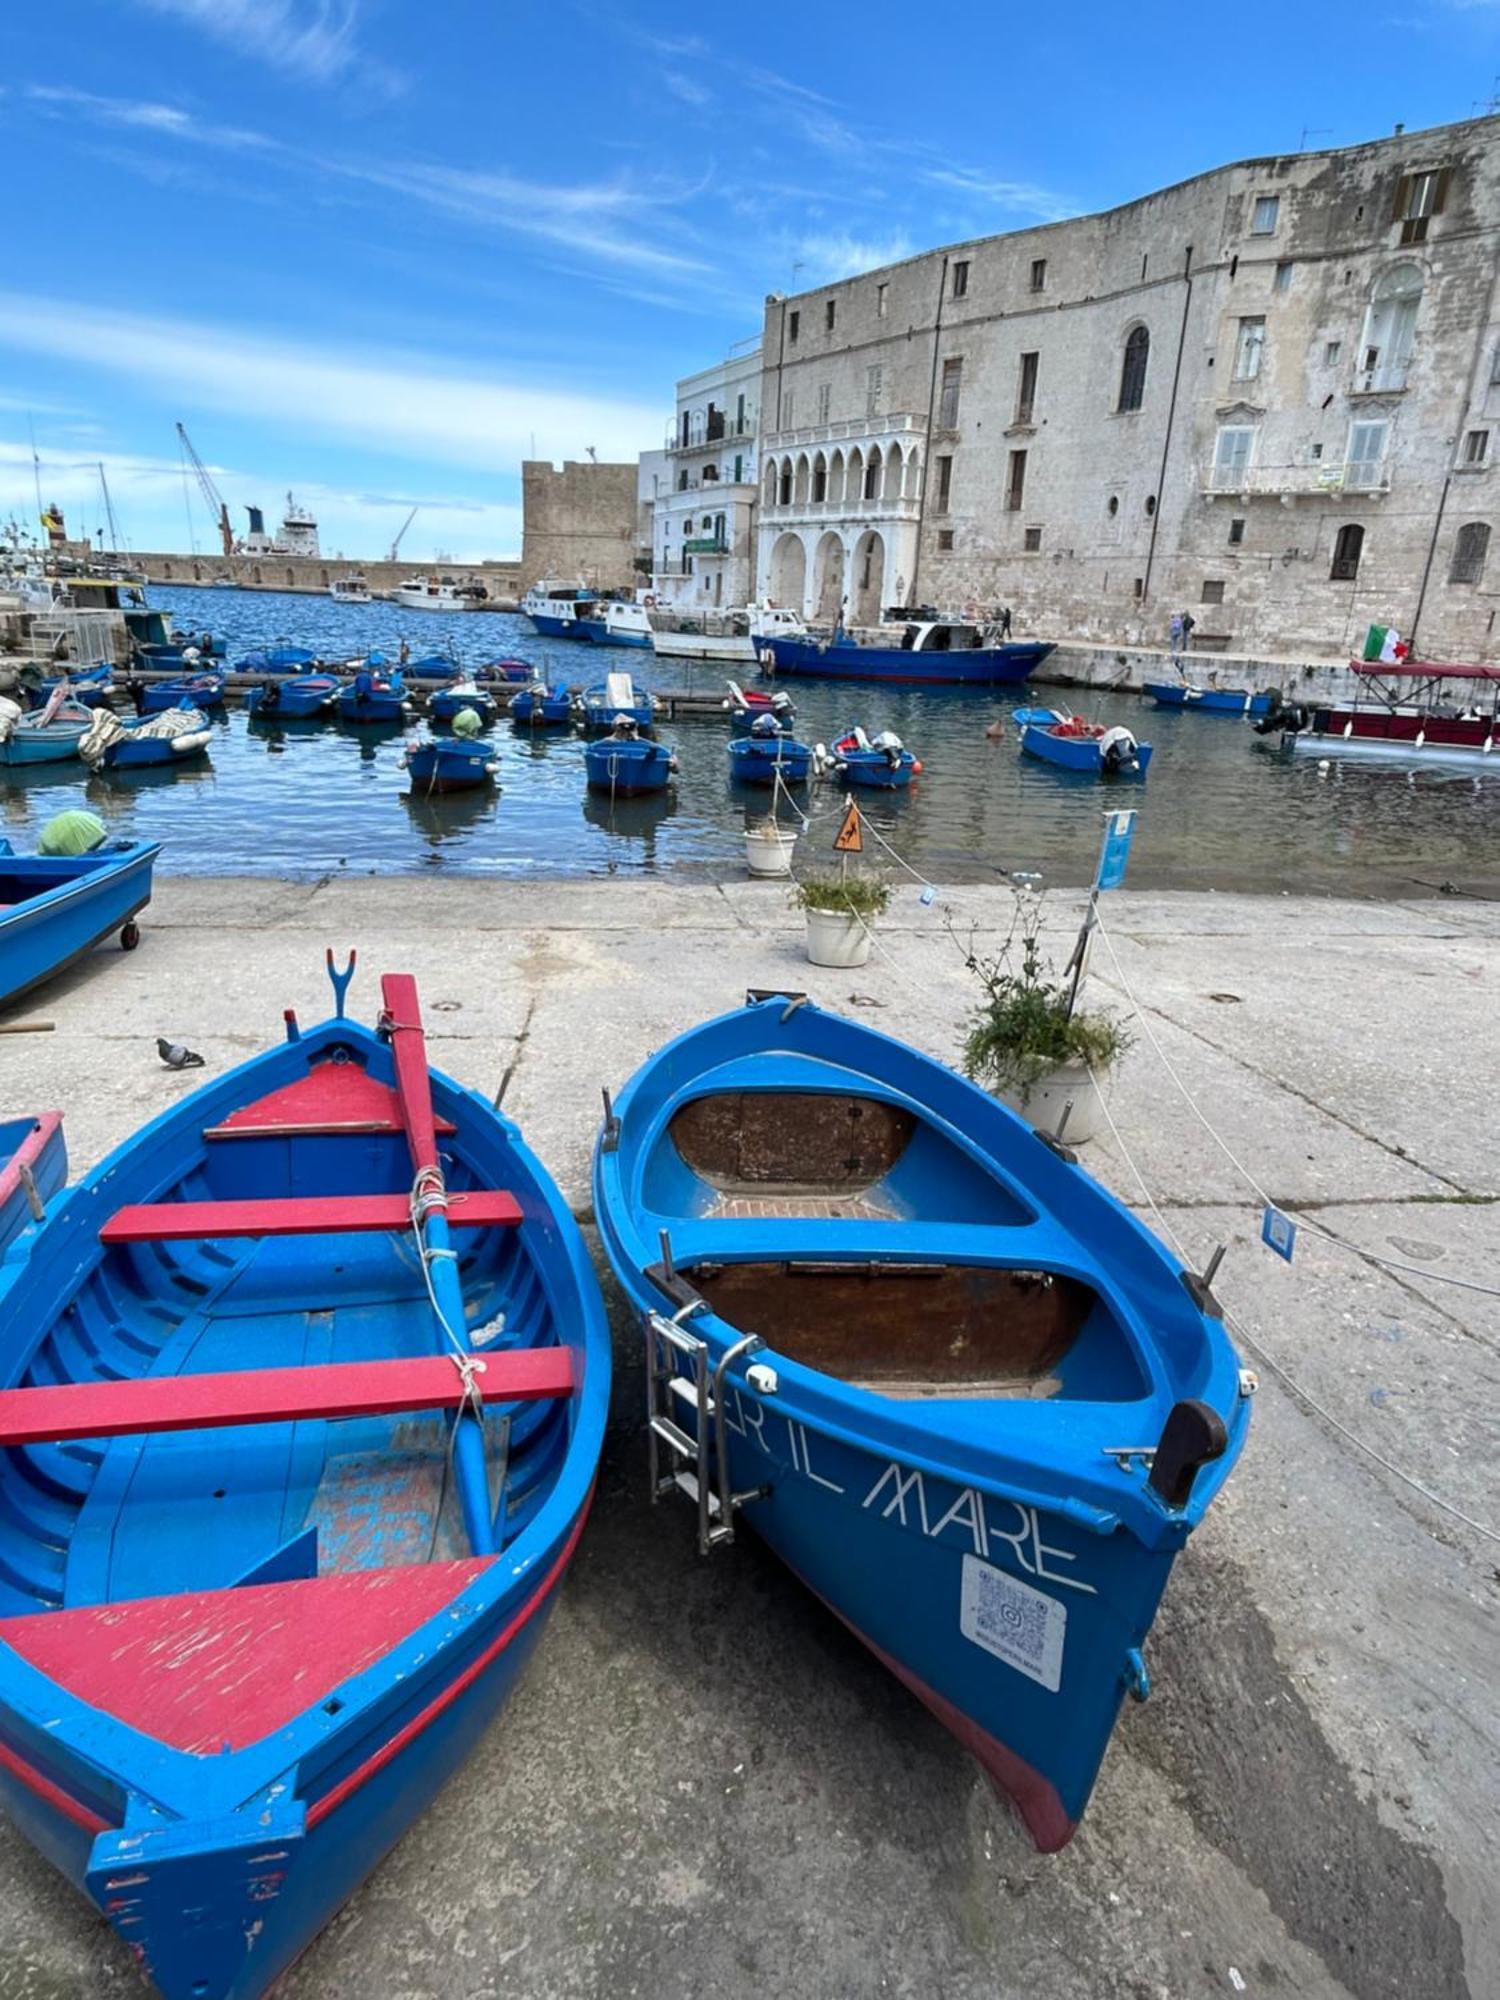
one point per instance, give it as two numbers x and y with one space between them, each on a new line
952 1381
307 1385
33 1168
1096 749
55 907
932 651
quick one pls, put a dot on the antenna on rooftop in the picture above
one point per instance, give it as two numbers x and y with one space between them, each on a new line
593 455
1312 132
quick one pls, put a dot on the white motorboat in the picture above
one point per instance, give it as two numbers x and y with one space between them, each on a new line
349 590
439 593
733 636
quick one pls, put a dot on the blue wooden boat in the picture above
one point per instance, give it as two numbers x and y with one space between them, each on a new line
934 651
953 1382
1044 718
1090 747
33 1168
447 702
513 673
1214 701
54 908
744 706
29 740
541 707
628 767
614 698
761 760
135 745
183 691
884 764
277 660
290 1488
372 696
93 688
292 699
444 764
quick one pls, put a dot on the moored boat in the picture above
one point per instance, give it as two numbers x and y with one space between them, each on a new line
374 695
628 767
1406 714
733 636
1095 748
45 736
293 697
54 908
92 688
267 1610
953 1382
614 621
773 757
615 697
33 1168
542 707
446 764
935 651
446 703
879 763
558 610
119 743
279 659
195 690
439 593
1213 701
747 704
349 590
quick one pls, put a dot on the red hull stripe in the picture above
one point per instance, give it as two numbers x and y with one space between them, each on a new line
388 1751
52 1794
277 1395
314 1215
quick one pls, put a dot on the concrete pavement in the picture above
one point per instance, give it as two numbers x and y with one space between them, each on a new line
704 1784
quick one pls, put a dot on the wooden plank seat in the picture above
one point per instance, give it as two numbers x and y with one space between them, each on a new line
333 1097
309 1215
276 1395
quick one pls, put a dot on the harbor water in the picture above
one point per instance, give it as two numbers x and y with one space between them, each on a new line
305 800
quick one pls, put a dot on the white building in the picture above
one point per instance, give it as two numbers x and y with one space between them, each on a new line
703 523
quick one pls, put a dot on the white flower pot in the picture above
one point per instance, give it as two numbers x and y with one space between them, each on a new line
768 851
837 939
1042 1103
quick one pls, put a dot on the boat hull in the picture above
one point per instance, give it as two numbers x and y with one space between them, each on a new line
31 1147
450 767
1078 753
197 693
875 771
86 898
598 633
628 770
370 708
753 761
444 707
981 666
292 700
698 646
47 743
548 625
552 711
1395 750
1212 701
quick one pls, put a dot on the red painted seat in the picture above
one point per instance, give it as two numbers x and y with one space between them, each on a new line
152 1403
218 1667
308 1215
333 1097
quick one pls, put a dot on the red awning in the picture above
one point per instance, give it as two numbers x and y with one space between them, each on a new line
1422 670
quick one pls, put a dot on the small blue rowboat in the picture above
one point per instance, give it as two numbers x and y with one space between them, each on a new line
515 673
628 767
542 707
447 765
1090 747
1215 701
244 1637
187 691
30 741
135 745
293 699
93 689
981 1407
33 1168
882 765
614 698
447 702
1043 718
277 660
54 908
761 760
372 697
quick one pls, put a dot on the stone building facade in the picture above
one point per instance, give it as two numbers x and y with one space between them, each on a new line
703 529
579 522
1269 396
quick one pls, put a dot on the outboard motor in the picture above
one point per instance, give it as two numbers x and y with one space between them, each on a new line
269 698
1283 718
1118 749
781 706
765 725
890 746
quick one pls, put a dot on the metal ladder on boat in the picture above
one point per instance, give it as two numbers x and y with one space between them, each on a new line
701 1468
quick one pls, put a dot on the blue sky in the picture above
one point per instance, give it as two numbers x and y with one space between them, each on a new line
372 250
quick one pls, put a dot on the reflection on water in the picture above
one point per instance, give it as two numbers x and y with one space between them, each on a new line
301 798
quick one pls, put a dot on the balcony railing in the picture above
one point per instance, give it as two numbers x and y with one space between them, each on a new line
1307 480
899 507
720 431
705 545
895 425
1384 379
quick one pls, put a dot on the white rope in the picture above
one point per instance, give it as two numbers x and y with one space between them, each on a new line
1288 1381
1313 1228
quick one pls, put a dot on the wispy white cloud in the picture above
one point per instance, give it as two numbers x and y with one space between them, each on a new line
840 254
687 89
140 115
1019 197
411 404
314 41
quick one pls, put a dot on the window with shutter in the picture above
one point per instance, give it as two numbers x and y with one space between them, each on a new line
1469 552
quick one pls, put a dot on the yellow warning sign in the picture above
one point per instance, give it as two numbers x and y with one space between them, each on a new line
851 834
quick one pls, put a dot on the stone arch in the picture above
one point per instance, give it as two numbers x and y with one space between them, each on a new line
836 479
828 579
166 571
873 471
819 490
789 572
784 484
291 577
867 583
772 474
894 467
1470 552
1134 358
801 481
258 577
854 477
912 484
1348 548
1390 330
197 571
324 575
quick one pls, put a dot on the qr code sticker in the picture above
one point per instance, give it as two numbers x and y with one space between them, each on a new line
1022 1626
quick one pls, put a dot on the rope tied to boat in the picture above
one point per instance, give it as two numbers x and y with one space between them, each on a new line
429 1192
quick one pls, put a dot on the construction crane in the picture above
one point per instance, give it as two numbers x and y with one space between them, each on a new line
109 511
211 494
396 545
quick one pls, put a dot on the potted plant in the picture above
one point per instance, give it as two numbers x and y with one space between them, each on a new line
1028 1042
841 909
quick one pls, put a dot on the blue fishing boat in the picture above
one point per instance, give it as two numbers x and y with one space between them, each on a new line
628 767
280 660
559 610
137 744
292 699
1043 718
762 760
952 1381
189 690
444 764
372 696
614 698
54 908
541 707
306 1420
1090 747
33 1168
93 688
449 701
1214 701
511 673
27 740
614 621
930 651
882 763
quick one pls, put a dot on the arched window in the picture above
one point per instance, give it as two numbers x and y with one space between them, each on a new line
786 482
1390 329
1346 553
1133 369
1469 552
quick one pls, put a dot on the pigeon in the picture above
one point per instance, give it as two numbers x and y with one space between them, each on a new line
175 1056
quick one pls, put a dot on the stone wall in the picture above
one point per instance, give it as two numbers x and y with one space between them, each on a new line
579 522
1123 515
500 579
